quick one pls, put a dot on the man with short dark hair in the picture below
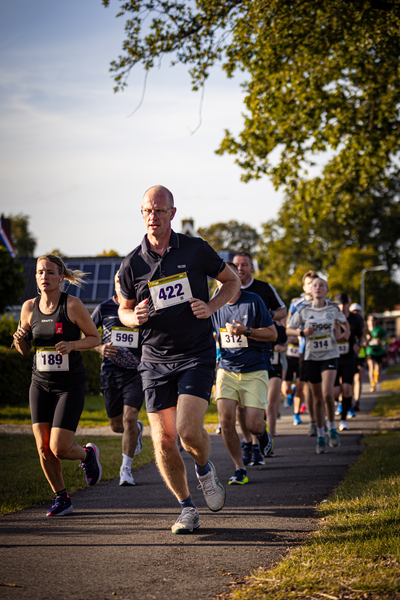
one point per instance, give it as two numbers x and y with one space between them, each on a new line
244 264
243 326
164 290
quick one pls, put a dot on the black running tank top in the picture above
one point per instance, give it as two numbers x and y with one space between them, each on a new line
47 331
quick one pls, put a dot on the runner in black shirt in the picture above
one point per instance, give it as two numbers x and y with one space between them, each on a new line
164 290
277 309
120 381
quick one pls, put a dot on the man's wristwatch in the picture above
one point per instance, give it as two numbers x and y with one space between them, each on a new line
301 333
248 332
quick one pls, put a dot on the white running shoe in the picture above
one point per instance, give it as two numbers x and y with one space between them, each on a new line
343 425
139 445
188 520
125 477
213 490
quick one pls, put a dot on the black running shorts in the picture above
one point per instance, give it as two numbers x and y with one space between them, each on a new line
121 389
293 367
60 407
164 382
346 369
314 368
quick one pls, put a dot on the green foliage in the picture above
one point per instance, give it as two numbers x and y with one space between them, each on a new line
23 240
8 326
322 84
15 376
381 292
231 236
12 280
92 362
16 373
320 74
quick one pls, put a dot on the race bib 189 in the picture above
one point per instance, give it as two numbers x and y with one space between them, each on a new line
170 291
48 359
320 344
232 341
124 337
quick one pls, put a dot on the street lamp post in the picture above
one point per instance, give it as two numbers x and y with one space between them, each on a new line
362 291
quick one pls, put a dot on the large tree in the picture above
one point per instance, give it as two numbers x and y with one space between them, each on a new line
231 236
22 238
322 83
321 74
12 280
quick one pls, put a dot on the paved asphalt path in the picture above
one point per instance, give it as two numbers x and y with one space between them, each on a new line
118 542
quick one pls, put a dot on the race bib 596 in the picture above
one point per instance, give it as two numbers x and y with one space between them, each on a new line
124 337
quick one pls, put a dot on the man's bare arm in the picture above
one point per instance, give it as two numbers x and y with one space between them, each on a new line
261 334
280 313
132 314
229 288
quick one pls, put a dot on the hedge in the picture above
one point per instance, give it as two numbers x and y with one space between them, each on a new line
8 326
16 370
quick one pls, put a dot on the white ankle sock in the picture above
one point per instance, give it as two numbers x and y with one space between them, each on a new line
126 462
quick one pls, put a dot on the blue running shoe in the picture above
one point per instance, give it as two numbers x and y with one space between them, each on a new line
334 439
246 453
351 414
256 457
322 446
92 468
297 420
62 506
338 410
239 478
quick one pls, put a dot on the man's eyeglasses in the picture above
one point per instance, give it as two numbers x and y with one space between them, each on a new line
158 213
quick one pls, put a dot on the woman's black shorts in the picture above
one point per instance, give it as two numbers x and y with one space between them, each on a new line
60 407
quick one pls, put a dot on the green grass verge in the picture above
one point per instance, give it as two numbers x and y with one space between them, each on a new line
391 385
356 552
387 407
94 414
23 483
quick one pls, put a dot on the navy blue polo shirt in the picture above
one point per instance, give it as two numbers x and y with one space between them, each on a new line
250 310
105 315
173 334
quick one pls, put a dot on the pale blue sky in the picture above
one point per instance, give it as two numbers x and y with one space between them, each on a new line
72 159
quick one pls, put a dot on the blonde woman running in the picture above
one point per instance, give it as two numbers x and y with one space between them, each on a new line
54 321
